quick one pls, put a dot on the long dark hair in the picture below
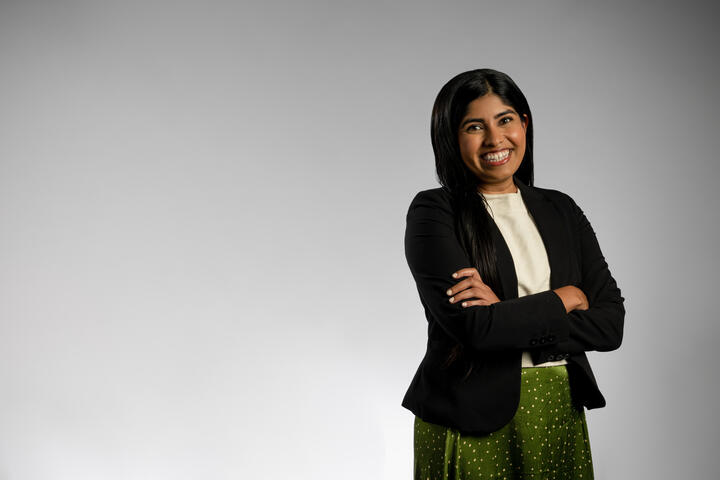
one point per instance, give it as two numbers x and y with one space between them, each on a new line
472 219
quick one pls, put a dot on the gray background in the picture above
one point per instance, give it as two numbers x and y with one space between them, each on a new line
202 207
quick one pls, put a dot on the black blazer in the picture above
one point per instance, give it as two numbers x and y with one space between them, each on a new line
494 336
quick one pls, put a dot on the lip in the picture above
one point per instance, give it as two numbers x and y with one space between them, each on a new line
498 163
497 150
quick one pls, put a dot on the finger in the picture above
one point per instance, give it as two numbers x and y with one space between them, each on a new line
469 293
473 282
470 303
466 272
458 287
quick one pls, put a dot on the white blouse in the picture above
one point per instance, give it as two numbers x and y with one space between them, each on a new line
526 246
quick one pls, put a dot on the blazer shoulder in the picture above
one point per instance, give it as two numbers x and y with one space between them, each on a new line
560 199
437 198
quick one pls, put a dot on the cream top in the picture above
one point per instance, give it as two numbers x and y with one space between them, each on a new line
526 246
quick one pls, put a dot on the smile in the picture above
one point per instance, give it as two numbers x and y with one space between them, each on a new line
497 158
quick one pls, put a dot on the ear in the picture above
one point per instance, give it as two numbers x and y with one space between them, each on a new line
525 121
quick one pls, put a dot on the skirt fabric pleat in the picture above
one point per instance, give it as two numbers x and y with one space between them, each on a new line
546 439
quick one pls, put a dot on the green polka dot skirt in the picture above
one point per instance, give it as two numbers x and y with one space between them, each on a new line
546 439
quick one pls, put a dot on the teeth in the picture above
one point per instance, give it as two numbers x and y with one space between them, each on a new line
496 156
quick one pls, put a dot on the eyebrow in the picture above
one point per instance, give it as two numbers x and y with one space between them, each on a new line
480 120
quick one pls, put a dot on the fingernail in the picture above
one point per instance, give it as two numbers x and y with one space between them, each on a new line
452 299
449 292
454 275
464 304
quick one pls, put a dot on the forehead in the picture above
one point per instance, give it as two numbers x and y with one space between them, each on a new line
487 105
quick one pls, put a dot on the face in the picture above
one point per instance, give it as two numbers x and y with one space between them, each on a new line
491 137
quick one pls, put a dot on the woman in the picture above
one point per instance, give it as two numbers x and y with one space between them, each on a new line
515 289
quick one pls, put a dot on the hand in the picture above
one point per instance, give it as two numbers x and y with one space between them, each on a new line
471 288
573 298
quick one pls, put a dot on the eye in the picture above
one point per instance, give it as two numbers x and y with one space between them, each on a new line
505 120
476 127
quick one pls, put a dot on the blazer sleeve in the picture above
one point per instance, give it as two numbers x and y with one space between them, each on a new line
433 253
600 327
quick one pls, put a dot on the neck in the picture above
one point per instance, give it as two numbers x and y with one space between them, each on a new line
491 189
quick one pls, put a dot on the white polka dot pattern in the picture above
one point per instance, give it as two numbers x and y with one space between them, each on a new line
546 439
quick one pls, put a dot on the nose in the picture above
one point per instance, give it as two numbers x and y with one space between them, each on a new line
493 137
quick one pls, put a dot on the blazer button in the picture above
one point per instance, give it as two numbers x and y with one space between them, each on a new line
551 338
551 358
533 342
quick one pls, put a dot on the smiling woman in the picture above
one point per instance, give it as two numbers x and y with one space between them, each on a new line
515 290
492 142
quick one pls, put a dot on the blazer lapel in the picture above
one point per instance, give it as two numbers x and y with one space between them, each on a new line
553 232
554 236
505 265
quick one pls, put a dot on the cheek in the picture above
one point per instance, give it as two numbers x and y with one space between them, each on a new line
466 147
518 138
468 150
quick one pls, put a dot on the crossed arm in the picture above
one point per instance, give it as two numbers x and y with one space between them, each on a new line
599 327
434 254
